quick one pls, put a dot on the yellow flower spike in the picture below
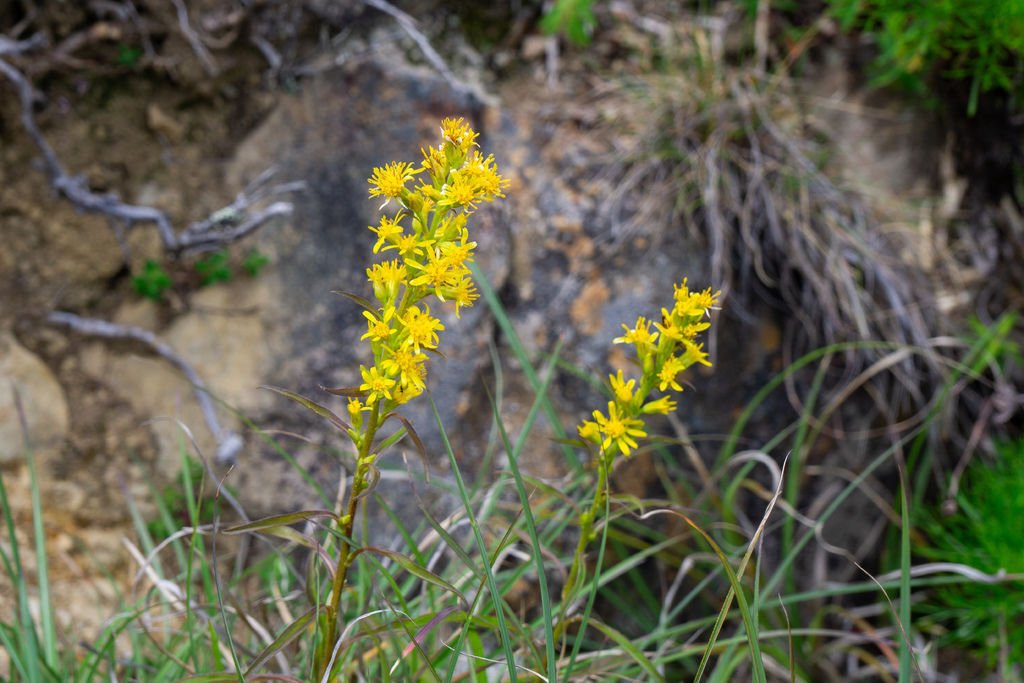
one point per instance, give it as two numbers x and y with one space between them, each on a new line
390 180
376 386
387 232
619 432
667 375
622 390
422 328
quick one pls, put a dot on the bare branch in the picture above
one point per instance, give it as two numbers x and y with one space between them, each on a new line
15 47
408 24
228 443
193 39
202 235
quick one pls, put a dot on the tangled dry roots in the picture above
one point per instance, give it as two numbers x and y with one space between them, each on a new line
739 164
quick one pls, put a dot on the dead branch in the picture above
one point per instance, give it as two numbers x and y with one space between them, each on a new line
194 40
200 236
228 442
408 25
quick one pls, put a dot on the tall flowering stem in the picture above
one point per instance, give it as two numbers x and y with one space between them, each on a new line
662 353
424 249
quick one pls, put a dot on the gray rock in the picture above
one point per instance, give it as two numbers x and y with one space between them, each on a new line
42 401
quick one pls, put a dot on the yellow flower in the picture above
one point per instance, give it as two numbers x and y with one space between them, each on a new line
409 245
458 132
618 430
693 329
484 174
589 431
640 334
693 304
461 190
668 327
463 293
405 394
622 390
422 328
694 353
387 232
375 385
378 328
434 160
667 375
458 253
406 365
437 272
385 278
390 180
662 406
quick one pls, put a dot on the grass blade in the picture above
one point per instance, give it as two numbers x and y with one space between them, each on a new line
496 599
524 500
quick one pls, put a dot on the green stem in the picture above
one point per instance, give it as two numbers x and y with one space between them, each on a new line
587 527
346 523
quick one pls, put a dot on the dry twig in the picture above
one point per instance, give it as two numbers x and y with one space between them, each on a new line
228 442
200 236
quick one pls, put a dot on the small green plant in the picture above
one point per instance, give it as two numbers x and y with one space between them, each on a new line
128 55
981 41
214 267
152 282
254 262
984 534
573 17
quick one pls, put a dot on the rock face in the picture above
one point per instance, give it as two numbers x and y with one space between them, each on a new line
42 402
565 271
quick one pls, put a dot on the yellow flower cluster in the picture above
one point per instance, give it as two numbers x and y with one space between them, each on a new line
430 249
663 353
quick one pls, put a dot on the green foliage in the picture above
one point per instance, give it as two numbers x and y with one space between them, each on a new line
575 18
981 41
254 262
173 503
128 55
152 282
214 267
985 533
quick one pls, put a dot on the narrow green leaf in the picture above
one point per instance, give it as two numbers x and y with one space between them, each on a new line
361 300
290 633
414 569
279 520
632 650
311 405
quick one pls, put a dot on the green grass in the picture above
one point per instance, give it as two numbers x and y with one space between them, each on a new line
705 598
983 533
